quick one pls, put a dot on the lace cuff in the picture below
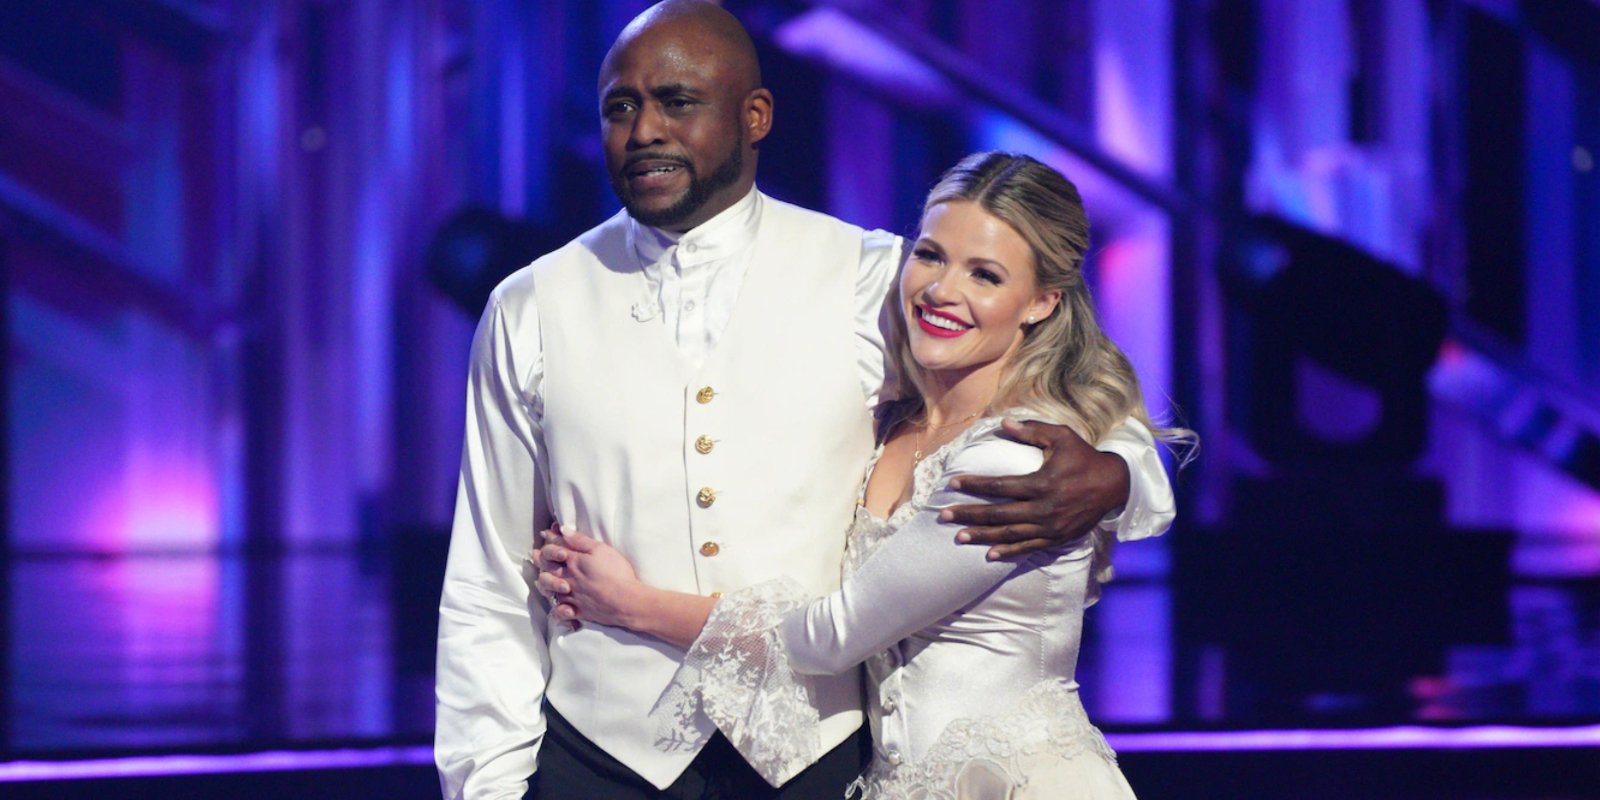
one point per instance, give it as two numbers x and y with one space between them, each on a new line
737 674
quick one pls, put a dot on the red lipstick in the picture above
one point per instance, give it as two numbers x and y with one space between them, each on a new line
933 330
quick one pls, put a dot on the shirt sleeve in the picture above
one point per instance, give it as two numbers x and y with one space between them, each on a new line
1150 509
875 290
492 658
918 576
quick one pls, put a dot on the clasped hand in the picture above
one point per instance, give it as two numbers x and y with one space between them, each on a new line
585 578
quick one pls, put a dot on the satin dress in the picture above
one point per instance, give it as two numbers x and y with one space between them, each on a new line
970 664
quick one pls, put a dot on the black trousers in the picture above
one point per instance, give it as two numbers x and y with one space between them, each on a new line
572 768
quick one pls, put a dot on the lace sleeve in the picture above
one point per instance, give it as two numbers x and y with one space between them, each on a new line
738 674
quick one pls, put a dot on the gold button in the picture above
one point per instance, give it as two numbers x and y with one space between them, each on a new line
710 549
704 395
716 595
706 497
703 445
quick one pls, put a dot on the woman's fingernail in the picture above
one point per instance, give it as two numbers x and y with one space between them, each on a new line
963 537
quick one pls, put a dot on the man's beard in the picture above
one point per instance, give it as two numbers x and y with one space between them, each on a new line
700 190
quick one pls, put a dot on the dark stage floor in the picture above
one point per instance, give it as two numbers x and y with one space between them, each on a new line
325 653
1520 774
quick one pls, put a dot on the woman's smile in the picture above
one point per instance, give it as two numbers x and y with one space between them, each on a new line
938 323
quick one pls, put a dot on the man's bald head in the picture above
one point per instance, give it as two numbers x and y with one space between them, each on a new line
714 28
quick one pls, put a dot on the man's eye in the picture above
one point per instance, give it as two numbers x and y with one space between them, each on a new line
615 109
679 102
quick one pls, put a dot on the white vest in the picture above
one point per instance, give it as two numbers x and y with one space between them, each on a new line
709 480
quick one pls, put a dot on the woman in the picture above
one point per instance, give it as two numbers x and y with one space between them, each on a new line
970 662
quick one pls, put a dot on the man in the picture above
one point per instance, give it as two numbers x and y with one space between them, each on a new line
692 382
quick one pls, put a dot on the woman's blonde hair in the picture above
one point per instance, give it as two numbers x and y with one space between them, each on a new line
1066 370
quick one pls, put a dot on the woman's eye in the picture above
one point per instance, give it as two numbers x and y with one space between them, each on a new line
924 254
986 276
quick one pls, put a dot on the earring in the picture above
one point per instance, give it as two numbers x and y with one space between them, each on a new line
1030 319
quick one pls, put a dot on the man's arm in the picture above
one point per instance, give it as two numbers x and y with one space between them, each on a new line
492 659
1119 485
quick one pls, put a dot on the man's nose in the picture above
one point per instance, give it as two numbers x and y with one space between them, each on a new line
648 127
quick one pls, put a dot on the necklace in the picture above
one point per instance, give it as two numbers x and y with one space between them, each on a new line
917 454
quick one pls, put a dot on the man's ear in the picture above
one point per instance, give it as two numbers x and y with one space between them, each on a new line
757 115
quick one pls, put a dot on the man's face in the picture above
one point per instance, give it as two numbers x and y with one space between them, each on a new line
671 121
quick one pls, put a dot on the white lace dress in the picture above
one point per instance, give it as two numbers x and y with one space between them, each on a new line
969 663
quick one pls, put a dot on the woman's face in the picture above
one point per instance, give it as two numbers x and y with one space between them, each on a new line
968 289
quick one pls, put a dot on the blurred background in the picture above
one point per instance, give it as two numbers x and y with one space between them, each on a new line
1355 243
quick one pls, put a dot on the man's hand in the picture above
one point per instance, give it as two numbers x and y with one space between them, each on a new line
1074 489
